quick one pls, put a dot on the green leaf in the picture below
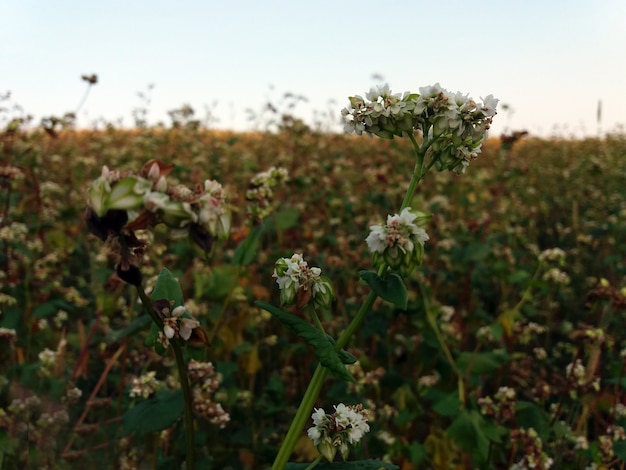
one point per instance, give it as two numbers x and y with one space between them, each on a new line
358 465
218 284
137 324
475 252
345 356
51 308
286 218
472 432
167 287
449 405
154 414
197 354
247 249
417 452
482 362
390 288
153 336
529 415
619 449
322 347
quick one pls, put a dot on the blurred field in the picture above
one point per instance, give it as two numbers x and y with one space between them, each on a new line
487 230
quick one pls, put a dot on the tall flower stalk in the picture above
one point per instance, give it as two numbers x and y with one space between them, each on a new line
121 203
451 128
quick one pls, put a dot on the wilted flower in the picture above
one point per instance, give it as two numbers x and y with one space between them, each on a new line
299 283
400 242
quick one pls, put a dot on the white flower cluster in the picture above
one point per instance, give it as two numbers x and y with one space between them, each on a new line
145 385
552 254
400 242
300 283
260 193
454 123
149 200
48 359
337 431
206 381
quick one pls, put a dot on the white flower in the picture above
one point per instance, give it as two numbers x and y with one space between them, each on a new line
314 434
177 322
319 416
400 242
294 274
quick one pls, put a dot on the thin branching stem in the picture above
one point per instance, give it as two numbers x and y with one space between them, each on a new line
184 380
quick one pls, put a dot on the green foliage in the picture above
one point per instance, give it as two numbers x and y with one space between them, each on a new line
361 465
473 433
481 280
155 414
167 287
322 346
390 287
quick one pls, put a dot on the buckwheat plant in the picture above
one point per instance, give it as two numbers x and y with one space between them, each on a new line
446 131
121 203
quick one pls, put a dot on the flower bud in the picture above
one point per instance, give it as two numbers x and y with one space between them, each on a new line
323 293
327 449
176 214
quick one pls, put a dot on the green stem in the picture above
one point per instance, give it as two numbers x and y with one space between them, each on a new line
184 379
184 382
432 321
315 386
314 463
316 318
302 415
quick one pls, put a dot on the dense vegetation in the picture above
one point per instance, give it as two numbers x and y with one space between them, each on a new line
535 338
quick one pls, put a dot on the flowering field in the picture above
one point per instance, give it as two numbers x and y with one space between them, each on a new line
507 350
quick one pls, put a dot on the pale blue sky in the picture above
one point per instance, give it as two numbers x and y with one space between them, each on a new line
550 60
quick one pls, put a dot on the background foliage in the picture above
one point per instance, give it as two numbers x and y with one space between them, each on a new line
487 230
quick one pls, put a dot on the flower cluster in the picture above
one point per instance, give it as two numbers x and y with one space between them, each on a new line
301 284
144 386
454 123
7 335
533 455
260 192
121 202
48 359
501 406
337 431
205 381
148 195
400 242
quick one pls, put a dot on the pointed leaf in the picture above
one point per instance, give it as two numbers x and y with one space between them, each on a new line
390 288
322 347
481 362
138 323
472 432
167 287
247 249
